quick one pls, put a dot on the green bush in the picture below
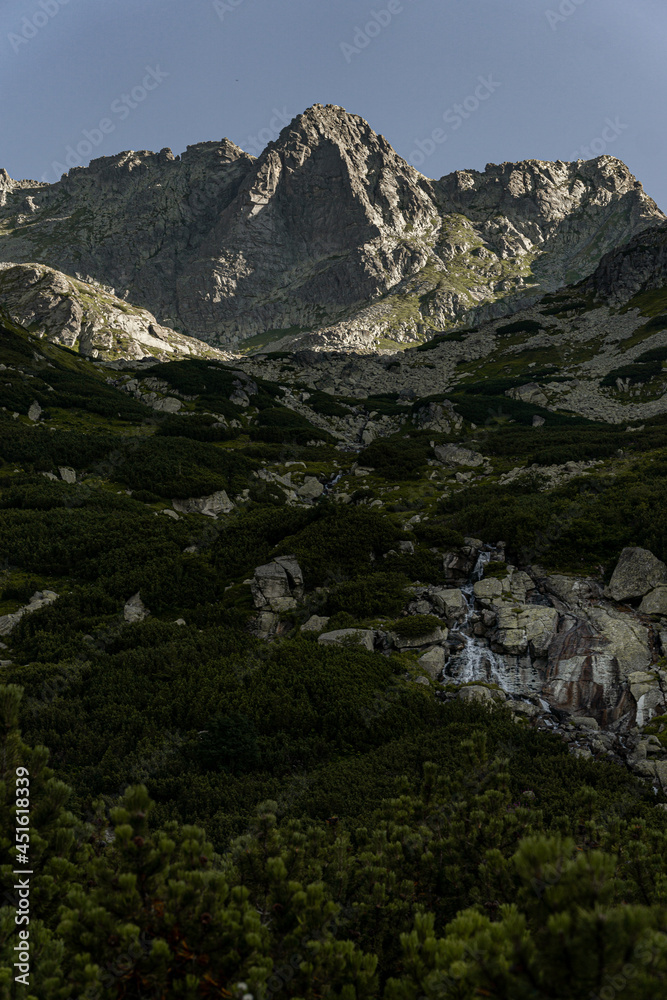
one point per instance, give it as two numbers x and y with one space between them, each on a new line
414 626
397 458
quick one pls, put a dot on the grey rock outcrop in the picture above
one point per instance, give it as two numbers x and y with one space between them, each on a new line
278 585
135 610
349 637
316 623
451 454
637 572
40 599
218 503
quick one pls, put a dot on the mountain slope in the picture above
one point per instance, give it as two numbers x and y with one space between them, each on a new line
329 232
87 318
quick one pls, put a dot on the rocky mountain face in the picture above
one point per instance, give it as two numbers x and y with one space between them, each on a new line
87 318
329 234
639 267
596 348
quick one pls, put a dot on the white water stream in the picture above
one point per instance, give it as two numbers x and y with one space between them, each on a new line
476 661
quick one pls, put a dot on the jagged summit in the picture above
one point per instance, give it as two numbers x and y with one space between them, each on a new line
328 233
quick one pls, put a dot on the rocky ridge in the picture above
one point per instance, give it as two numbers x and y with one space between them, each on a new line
87 318
328 235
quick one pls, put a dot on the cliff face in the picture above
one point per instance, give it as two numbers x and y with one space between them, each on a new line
329 232
638 268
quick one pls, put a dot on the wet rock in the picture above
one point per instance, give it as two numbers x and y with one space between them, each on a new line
647 692
349 636
637 572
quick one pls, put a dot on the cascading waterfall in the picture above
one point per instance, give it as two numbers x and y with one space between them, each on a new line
476 661
333 482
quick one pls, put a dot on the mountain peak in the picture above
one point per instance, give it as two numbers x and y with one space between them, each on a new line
328 232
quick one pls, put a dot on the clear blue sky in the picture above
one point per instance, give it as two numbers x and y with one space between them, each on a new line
564 77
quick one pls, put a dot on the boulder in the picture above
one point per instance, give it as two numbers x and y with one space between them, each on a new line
135 610
35 412
266 624
525 709
571 590
450 603
585 722
637 572
452 454
655 603
315 624
212 506
349 637
417 642
239 398
488 589
433 661
477 692
529 393
520 584
532 626
437 417
166 404
540 626
271 588
67 475
294 574
312 489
